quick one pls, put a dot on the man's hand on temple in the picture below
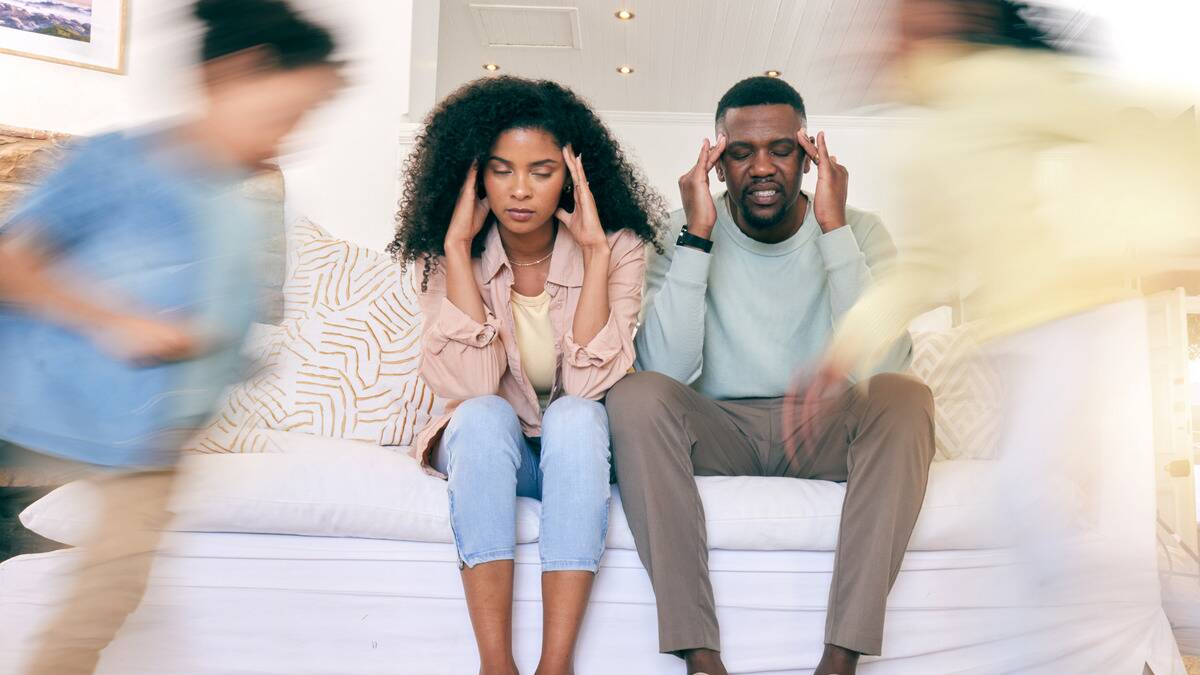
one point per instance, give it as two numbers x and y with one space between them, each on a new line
833 182
698 205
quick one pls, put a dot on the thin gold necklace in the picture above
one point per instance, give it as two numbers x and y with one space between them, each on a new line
535 262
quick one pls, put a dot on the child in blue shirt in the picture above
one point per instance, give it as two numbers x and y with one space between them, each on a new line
126 289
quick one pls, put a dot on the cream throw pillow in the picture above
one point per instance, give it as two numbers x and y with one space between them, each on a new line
967 393
344 362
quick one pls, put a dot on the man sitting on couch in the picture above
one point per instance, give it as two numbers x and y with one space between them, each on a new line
747 297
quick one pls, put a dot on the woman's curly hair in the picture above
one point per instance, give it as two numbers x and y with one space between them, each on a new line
463 129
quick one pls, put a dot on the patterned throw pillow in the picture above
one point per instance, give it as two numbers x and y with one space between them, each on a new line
344 362
967 393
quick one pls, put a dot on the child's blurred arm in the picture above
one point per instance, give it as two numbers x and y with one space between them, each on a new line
26 285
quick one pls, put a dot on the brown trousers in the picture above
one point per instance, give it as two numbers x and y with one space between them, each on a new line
111 579
876 437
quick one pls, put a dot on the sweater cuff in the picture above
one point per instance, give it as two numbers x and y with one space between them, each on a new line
454 325
839 248
689 265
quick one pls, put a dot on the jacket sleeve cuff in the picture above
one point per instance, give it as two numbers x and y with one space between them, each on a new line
453 325
839 248
599 352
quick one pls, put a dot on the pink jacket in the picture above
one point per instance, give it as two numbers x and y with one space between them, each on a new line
463 359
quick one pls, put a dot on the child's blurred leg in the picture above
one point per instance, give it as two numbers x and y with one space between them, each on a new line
113 573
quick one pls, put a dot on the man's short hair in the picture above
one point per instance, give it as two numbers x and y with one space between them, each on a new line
760 90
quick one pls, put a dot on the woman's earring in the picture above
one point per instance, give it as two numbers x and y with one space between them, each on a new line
568 188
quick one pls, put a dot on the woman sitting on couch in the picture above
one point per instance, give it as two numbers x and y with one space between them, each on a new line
528 227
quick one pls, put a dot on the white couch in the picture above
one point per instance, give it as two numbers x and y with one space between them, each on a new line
988 586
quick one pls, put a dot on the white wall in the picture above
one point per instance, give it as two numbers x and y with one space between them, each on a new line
1154 43
344 179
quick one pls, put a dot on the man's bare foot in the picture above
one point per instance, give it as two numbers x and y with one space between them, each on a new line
704 661
837 661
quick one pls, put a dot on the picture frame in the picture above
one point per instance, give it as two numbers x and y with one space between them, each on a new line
83 33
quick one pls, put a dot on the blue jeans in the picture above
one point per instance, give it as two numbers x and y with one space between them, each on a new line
490 463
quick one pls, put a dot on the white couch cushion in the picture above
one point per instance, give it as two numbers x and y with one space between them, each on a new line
768 514
312 486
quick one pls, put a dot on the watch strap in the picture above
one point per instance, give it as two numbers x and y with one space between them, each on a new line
688 239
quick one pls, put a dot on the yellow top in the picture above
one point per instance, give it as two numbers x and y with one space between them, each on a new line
535 342
1037 191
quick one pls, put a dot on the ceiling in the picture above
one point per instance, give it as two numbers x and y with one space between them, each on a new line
684 53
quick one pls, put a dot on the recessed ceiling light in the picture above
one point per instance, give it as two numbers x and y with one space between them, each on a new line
625 70
773 73
491 67
624 15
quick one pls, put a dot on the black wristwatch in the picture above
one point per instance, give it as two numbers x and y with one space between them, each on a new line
688 239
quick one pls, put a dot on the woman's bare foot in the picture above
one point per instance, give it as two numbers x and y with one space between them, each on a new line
704 661
837 661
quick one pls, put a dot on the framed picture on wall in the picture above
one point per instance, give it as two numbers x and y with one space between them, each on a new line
83 33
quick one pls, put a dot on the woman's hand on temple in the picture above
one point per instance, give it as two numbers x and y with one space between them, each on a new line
470 212
584 222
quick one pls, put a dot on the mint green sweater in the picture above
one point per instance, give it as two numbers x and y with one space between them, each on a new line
741 321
